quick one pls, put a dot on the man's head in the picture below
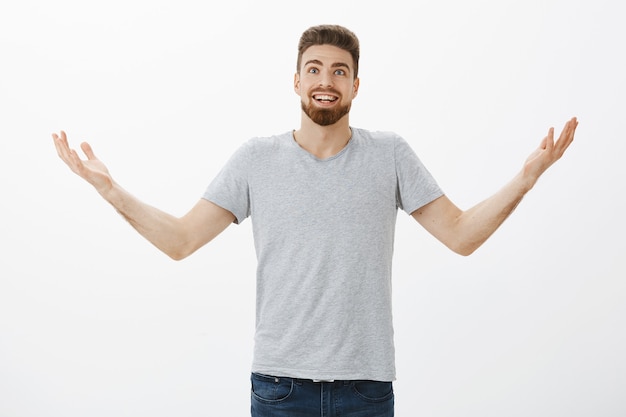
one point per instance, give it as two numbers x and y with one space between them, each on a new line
334 35
326 78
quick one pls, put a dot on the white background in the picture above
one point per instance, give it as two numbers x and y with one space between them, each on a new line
94 321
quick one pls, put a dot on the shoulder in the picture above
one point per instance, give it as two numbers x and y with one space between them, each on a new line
376 136
379 139
257 150
256 147
265 143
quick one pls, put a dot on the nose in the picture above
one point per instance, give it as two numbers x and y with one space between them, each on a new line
326 80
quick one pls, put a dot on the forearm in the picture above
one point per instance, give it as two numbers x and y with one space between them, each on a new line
475 225
163 230
465 231
176 237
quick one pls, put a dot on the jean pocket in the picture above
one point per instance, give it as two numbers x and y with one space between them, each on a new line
270 389
373 391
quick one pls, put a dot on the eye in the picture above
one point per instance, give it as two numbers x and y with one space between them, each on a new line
313 70
340 72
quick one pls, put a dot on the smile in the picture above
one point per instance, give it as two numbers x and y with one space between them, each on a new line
324 98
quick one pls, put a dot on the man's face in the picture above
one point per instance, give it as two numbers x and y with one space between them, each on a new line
326 83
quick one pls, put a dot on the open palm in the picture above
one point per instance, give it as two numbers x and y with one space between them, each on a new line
548 151
91 169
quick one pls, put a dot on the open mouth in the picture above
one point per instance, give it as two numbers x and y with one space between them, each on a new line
325 98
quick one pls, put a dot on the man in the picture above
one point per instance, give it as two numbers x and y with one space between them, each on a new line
323 201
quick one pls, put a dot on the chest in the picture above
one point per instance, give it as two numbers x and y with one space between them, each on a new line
331 191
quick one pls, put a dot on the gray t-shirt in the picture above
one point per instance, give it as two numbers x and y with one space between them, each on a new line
323 233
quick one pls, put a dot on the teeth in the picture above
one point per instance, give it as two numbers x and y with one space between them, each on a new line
325 98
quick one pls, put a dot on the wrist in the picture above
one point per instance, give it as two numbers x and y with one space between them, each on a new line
111 192
525 182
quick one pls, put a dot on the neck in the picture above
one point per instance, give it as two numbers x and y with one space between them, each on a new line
323 141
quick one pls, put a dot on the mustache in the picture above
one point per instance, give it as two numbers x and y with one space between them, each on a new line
325 90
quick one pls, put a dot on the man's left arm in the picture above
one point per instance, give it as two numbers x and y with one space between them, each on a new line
465 231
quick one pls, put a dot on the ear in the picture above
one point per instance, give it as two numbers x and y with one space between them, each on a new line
296 83
355 87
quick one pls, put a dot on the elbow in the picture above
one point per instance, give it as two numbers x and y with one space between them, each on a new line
178 254
465 251
464 248
179 249
465 244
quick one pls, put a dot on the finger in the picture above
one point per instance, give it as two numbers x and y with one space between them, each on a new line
69 155
60 143
62 139
548 141
74 162
87 150
573 125
567 129
567 135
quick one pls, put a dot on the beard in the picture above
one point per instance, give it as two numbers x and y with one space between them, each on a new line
325 117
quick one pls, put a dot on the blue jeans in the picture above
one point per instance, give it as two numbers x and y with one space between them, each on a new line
291 397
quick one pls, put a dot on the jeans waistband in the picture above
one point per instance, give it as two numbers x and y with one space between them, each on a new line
304 380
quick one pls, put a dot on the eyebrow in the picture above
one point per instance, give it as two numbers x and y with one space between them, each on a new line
320 63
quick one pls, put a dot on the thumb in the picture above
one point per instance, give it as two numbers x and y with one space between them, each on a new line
87 150
548 141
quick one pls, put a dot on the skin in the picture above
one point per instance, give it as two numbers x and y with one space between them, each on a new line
325 67
178 237
325 70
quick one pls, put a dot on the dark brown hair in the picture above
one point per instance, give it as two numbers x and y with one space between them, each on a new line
334 35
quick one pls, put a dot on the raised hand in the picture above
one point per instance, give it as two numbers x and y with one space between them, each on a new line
548 151
92 169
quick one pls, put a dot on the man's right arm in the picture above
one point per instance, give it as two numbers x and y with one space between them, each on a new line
178 237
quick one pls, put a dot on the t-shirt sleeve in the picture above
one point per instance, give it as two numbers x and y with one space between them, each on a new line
230 188
416 185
